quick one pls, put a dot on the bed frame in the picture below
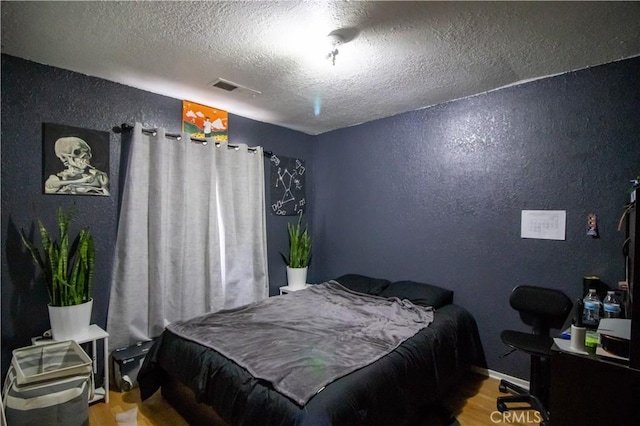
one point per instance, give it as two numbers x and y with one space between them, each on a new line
184 401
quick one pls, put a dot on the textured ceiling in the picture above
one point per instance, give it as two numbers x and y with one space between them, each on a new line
400 56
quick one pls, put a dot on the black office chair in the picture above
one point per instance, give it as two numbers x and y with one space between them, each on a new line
542 309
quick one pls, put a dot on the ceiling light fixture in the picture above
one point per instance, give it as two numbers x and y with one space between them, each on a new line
335 40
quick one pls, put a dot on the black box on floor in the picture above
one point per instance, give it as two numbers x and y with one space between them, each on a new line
126 364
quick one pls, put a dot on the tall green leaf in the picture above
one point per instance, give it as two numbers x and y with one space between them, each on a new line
299 245
68 269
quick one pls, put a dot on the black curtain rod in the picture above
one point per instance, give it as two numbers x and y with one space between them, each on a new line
126 127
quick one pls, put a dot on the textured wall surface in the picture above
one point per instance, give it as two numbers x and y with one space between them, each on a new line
432 195
436 195
33 94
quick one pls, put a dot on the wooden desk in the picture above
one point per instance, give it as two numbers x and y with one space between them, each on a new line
590 390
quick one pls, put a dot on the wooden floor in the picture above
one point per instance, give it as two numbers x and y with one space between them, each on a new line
473 404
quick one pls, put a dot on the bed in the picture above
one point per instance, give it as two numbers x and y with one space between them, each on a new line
391 370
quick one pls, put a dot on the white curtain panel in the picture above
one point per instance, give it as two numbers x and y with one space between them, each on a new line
191 234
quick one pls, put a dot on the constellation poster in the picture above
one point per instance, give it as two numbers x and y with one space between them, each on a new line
288 196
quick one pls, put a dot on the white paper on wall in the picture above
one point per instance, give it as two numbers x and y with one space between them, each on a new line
544 224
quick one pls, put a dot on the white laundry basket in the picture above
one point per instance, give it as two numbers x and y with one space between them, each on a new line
48 385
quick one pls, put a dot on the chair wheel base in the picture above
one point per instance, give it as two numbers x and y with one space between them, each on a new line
533 403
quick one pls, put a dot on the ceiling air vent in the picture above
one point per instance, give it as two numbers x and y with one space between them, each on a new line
235 88
221 84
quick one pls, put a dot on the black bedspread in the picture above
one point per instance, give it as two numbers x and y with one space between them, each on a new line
302 342
391 389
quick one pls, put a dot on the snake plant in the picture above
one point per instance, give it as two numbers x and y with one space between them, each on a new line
67 268
299 245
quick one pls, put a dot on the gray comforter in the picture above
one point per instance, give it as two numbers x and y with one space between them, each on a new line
305 340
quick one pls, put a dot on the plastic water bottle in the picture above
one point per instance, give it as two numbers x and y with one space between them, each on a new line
611 305
591 311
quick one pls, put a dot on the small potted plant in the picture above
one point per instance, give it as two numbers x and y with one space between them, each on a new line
299 254
68 269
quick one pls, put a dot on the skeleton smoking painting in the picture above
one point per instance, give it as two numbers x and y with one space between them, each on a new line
75 160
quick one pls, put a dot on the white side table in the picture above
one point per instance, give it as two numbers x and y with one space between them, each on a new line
94 334
286 289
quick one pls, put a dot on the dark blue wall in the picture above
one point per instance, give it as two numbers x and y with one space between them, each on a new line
33 94
432 195
436 195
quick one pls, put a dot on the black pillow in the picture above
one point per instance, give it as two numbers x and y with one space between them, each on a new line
363 284
419 293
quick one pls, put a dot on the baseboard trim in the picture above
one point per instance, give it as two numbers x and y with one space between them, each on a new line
500 376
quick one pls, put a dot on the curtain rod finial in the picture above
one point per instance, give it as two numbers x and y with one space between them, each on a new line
124 127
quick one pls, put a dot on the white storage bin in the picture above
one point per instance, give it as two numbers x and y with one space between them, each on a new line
49 385
46 362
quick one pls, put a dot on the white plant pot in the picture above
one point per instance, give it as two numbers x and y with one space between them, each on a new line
70 322
297 278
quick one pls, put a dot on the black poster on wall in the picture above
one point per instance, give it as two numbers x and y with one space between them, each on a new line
75 160
287 181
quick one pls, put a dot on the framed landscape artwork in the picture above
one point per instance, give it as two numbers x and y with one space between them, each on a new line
201 121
